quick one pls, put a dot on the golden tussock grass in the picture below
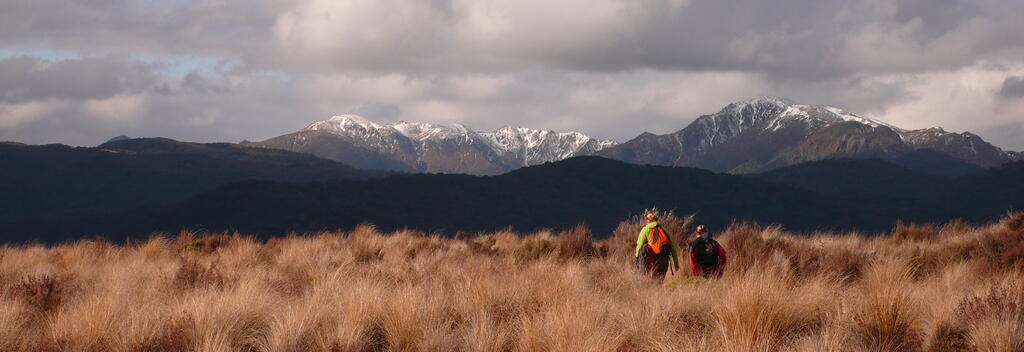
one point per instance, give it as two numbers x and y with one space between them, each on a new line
922 287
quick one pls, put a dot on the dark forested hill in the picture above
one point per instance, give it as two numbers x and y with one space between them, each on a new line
592 190
993 191
864 176
597 191
893 189
58 181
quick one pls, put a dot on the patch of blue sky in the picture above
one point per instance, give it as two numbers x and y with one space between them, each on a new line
280 76
183 65
170 65
45 54
175 65
206 65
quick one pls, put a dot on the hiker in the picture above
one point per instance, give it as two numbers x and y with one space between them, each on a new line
707 257
653 247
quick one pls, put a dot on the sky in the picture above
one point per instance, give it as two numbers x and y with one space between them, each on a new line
80 72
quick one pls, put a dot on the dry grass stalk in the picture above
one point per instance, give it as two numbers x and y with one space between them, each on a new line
927 287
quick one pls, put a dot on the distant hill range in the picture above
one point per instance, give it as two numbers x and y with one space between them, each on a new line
426 147
58 181
860 176
749 136
592 190
802 166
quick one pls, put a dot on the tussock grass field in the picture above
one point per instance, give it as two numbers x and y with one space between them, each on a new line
951 287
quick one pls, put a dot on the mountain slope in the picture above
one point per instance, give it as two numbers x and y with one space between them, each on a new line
862 176
934 162
425 147
761 134
993 191
560 194
594 190
889 188
60 181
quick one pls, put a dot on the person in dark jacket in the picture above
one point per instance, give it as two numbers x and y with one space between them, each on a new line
707 257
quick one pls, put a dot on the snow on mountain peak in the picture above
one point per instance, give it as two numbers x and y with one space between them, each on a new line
343 123
423 130
767 99
777 113
511 138
442 131
530 146
758 103
848 116
769 114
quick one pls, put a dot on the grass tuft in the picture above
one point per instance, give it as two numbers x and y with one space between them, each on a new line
942 287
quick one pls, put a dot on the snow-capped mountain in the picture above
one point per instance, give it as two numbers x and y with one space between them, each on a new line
427 147
765 133
748 136
531 147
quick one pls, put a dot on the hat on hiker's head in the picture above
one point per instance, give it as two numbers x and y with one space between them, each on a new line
701 229
652 216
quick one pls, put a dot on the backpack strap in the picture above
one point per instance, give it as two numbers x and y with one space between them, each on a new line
650 238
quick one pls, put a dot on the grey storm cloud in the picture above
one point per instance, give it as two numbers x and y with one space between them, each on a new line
789 38
611 68
27 78
1013 87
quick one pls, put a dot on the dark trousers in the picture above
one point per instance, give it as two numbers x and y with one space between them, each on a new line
711 272
657 268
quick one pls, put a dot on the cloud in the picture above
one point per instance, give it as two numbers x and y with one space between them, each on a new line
16 114
25 79
966 99
120 108
385 34
226 70
785 38
1013 88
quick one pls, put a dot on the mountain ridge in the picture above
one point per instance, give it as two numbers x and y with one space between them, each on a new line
589 189
747 136
761 134
55 180
594 190
430 147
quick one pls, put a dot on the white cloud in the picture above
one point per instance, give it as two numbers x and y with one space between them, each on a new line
16 114
480 86
966 99
122 108
612 68
339 34
439 112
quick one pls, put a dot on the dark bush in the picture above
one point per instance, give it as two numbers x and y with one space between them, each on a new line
192 273
44 293
534 248
175 335
949 338
366 254
1015 222
914 232
1005 300
576 242
481 245
744 244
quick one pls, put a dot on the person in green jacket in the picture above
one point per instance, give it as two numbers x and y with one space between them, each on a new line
651 263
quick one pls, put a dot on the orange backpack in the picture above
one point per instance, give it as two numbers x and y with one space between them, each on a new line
659 240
